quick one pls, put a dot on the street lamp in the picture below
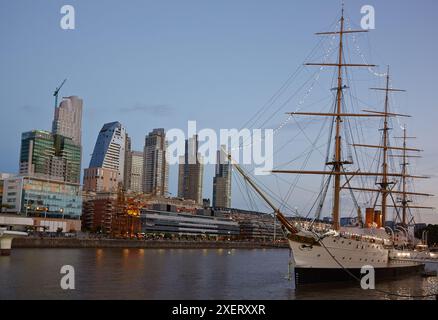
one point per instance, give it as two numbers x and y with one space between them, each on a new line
28 207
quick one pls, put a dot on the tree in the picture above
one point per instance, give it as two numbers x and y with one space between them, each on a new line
167 236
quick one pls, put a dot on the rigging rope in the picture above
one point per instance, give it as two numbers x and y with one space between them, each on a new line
276 96
359 52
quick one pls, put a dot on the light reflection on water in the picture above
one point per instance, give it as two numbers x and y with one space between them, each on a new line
175 274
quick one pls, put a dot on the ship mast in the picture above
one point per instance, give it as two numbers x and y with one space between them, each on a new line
404 190
385 183
404 172
337 164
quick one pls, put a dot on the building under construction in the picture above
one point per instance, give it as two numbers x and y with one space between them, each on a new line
118 214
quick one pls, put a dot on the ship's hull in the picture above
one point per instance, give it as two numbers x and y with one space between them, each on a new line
339 259
324 275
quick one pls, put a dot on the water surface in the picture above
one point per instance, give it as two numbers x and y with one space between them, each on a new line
175 274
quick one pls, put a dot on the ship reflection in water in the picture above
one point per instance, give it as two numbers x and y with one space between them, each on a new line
175 274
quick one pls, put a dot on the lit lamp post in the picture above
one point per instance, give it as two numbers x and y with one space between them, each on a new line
27 209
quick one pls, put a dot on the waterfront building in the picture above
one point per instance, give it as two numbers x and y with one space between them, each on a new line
67 120
191 170
177 204
111 213
100 208
222 181
98 212
50 156
162 222
128 164
100 180
260 226
155 166
3 176
109 150
136 171
40 224
56 225
253 225
40 197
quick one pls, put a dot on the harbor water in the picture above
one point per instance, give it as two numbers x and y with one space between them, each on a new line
211 274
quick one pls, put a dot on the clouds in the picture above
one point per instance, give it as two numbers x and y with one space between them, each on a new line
157 110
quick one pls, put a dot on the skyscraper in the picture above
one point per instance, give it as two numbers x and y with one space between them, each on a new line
109 150
136 172
156 168
128 164
50 156
100 180
191 172
222 181
68 119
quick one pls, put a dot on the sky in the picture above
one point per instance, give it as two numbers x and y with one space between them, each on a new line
152 64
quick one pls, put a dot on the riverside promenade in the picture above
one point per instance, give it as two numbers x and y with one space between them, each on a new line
31 242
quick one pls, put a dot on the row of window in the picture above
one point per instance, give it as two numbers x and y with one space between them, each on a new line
359 246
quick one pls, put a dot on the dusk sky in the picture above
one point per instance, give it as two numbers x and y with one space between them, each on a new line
152 64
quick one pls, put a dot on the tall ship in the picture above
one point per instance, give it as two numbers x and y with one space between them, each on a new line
324 252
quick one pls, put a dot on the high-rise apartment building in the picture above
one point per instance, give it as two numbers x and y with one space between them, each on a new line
67 120
191 170
100 180
136 172
109 150
156 168
128 164
50 156
222 181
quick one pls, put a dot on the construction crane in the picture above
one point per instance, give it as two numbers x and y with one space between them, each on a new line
55 94
126 220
